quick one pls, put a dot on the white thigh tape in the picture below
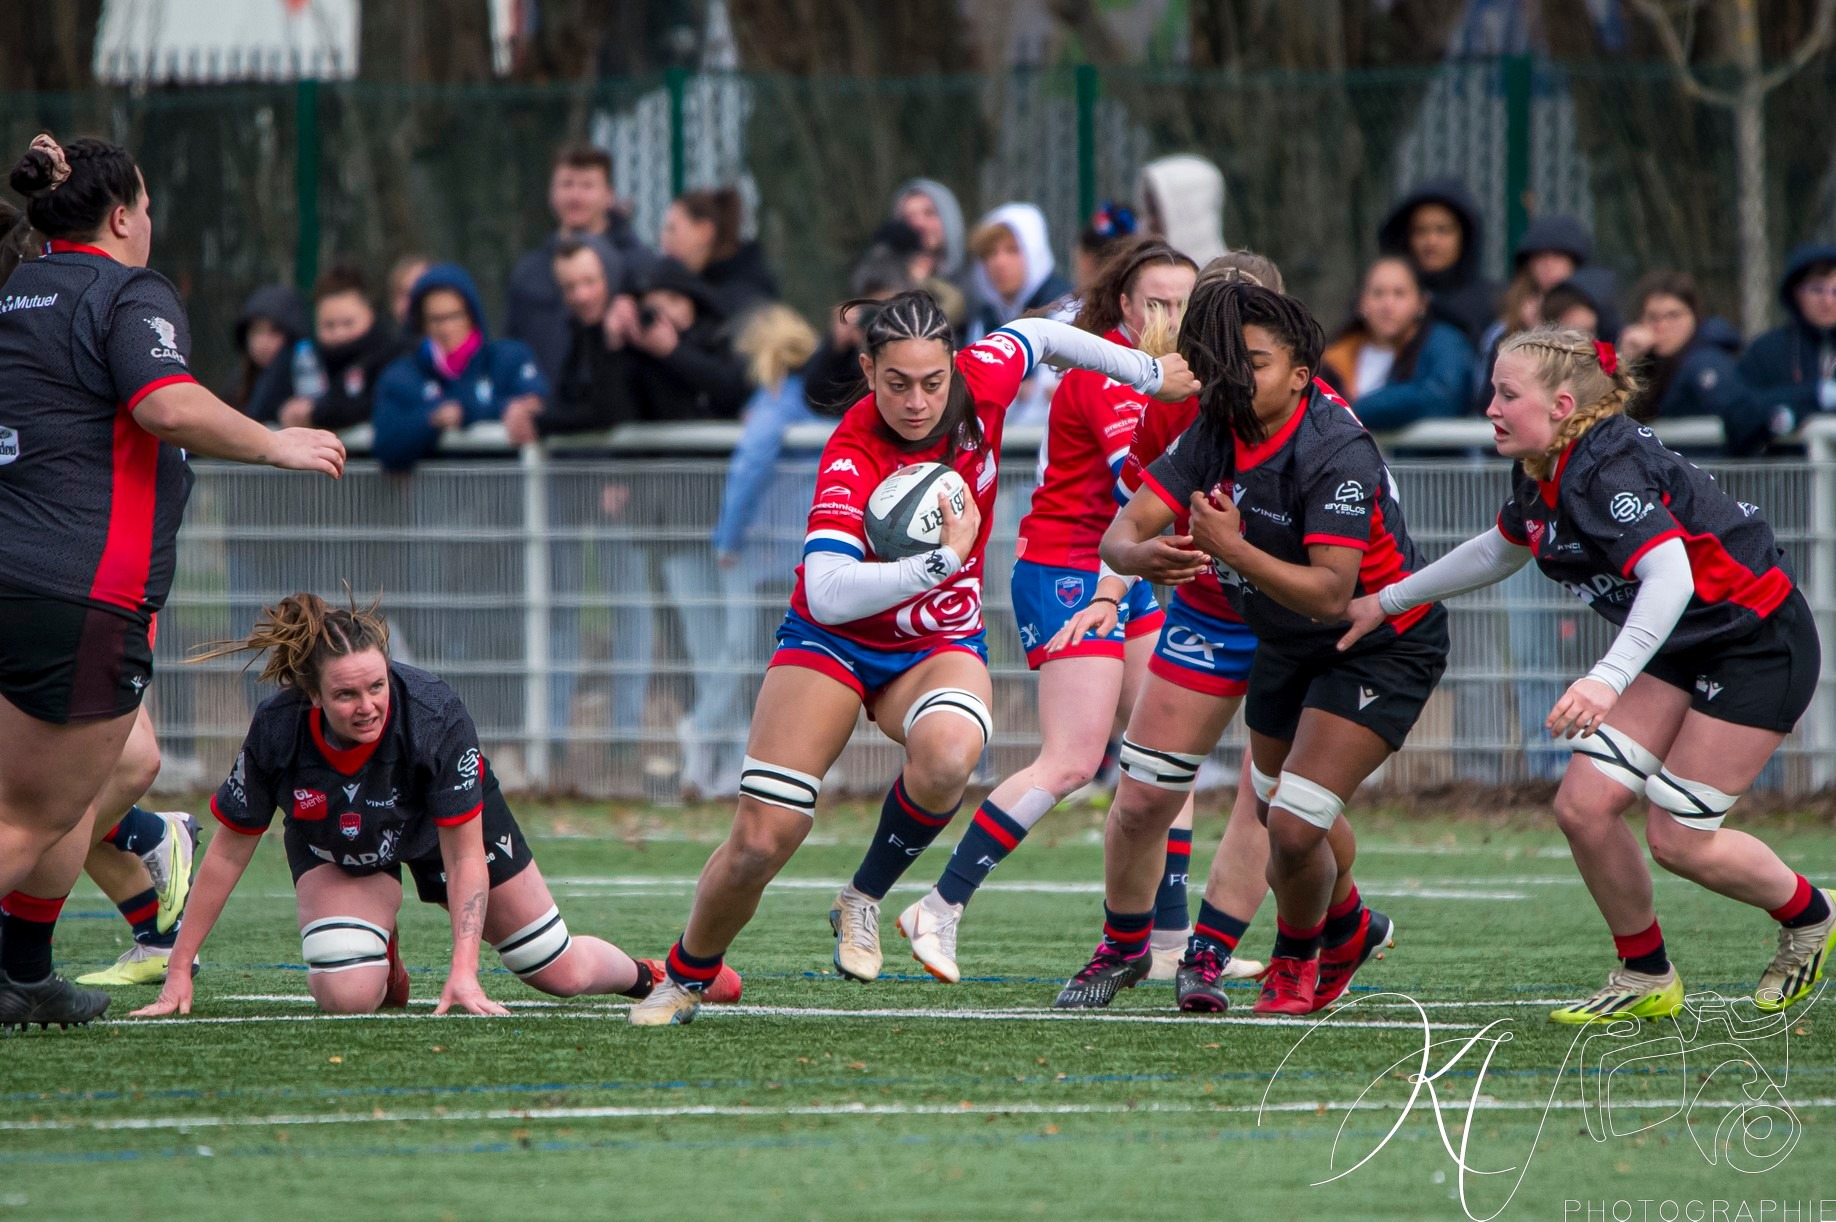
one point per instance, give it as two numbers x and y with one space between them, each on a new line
775 785
535 945
1696 805
1307 801
338 944
951 700
1618 756
1173 771
1262 783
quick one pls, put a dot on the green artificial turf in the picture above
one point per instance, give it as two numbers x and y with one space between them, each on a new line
916 1107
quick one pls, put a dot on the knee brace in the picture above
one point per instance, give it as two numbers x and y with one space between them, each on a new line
338 944
1173 771
535 945
775 785
1696 805
1262 783
951 700
1619 757
1307 801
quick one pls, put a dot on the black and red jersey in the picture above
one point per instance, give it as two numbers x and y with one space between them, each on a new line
1618 493
90 502
1320 479
363 808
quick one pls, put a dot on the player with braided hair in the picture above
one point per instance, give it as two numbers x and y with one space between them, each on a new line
1715 659
900 638
376 766
1288 496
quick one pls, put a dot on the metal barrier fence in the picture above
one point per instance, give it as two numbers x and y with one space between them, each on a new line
572 598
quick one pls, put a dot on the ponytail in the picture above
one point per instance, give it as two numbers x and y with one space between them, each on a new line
1592 372
302 633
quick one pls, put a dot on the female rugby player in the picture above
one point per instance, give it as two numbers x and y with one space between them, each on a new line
1715 660
902 639
377 766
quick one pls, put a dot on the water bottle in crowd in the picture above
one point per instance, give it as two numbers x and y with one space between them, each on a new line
308 374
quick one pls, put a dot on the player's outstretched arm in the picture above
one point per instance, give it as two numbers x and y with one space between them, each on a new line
1481 561
185 414
468 885
1064 346
225 859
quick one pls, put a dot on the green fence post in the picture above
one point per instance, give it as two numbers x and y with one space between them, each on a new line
1517 81
677 80
1086 142
306 183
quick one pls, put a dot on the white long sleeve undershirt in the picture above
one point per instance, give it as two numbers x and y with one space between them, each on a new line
1063 346
1665 585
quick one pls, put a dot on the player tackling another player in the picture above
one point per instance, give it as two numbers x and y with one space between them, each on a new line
377 766
1715 660
901 638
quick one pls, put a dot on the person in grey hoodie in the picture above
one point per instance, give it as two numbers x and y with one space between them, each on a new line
932 209
580 195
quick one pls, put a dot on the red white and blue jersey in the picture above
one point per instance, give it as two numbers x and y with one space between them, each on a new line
1088 434
863 451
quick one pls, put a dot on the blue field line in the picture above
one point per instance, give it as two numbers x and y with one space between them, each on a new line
812 1141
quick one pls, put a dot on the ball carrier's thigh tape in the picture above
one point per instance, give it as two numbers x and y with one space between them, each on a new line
776 785
951 700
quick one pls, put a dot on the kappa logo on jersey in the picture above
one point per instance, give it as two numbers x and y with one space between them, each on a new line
1708 687
1628 507
350 792
350 825
168 341
308 804
1070 591
467 770
842 464
983 355
9 445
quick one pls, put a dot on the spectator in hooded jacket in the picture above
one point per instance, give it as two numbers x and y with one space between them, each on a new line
1687 364
329 381
268 323
453 377
1182 200
1437 227
1552 249
1393 362
1790 371
932 209
901 241
682 362
1015 270
702 232
581 197
1586 302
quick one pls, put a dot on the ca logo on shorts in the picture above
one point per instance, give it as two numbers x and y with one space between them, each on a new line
1070 590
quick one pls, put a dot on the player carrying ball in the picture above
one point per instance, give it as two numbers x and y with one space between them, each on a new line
902 639
1287 493
377 766
1715 660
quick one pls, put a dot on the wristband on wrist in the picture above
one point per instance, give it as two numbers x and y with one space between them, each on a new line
1104 598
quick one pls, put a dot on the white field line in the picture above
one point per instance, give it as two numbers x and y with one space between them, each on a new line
301 999
419 1116
721 1013
1450 889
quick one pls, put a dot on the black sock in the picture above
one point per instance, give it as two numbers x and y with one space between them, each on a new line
1643 952
1344 918
1292 942
25 936
1216 931
905 831
644 983
1127 933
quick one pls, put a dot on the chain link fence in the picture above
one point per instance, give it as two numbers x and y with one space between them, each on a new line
264 182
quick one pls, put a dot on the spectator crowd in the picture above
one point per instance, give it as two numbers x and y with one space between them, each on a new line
602 328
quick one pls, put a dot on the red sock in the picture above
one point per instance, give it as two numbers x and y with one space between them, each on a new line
1643 952
1795 906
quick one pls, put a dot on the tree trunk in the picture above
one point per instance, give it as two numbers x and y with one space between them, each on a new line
1750 174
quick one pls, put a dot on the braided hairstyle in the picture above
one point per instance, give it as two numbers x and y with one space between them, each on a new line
1566 357
915 315
1211 340
102 176
1243 267
301 634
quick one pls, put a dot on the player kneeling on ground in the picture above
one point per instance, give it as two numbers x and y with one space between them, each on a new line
377 766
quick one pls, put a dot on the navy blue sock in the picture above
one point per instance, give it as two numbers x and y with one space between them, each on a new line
1126 933
138 832
990 838
141 912
1216 931
1170 904
905 830
692 971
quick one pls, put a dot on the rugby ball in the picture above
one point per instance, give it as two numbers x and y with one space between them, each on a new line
903 518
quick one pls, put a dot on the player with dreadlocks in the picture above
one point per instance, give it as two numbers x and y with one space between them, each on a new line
1287 494
902 639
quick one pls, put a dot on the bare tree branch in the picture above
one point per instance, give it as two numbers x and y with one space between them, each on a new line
1655 13
1822 25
